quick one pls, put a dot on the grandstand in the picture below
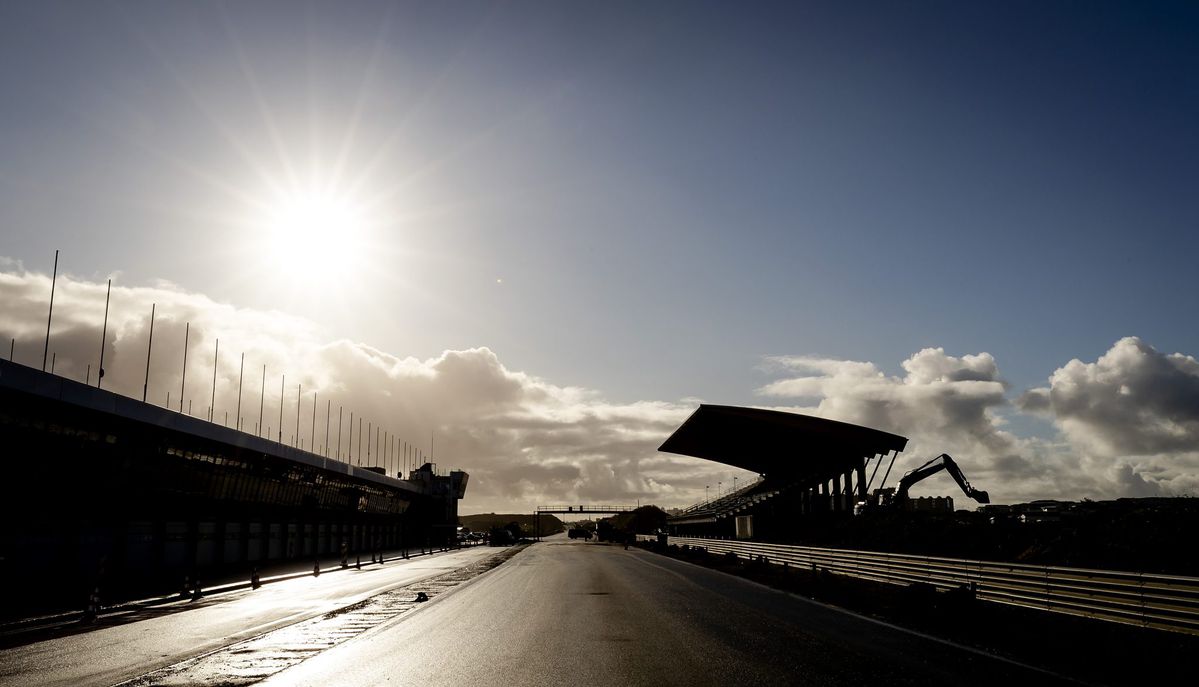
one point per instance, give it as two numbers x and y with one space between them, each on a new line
808 468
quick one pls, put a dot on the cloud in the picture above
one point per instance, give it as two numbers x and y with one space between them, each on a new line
1127 423
943 404
1133 413
941 401
525 440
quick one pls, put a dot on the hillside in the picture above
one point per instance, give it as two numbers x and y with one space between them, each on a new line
643 520
483 522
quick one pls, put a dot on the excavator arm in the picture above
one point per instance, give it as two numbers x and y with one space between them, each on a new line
932 467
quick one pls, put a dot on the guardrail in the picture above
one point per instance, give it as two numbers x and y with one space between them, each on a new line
1164 602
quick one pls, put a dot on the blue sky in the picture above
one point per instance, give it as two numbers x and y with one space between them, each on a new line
642 199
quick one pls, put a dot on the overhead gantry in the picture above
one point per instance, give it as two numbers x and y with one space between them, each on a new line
583 508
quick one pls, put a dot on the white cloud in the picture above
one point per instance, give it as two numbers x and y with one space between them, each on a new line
1132 414
1129 422
943 404
524 440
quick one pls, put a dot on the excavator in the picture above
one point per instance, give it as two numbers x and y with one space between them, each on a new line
895 499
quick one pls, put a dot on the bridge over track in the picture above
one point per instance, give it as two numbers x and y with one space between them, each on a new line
596 510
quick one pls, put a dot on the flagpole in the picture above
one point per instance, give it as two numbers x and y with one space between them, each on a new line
149 347
50 316
216 357
104 335
186 333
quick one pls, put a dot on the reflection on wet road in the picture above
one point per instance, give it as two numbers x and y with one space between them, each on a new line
181 630
584 613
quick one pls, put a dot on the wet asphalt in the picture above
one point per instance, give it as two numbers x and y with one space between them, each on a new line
159 637
572 613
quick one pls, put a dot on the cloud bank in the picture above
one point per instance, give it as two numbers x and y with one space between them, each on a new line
525 441
1135 410
1126 424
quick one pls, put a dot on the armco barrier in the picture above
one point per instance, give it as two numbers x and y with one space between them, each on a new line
1164 602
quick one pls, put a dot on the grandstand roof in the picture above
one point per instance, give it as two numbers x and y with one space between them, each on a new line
774 442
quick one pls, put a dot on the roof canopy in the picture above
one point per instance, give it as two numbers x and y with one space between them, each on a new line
778 443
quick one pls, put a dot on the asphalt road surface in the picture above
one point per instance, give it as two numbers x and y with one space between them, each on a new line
168 634
574 613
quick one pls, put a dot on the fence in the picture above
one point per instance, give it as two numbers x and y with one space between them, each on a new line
1165 602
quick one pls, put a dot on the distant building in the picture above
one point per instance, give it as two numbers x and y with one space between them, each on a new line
931 504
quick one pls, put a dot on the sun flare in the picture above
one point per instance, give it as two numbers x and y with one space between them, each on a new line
314 237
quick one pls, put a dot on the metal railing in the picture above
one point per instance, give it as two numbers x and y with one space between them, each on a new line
720 496
1164 602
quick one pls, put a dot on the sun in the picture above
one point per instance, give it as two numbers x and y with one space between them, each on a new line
314 236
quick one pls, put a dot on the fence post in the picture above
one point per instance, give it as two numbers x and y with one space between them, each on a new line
1048 605
1141 590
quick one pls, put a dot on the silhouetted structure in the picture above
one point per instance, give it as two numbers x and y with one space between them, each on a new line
807 467
101 487
588 509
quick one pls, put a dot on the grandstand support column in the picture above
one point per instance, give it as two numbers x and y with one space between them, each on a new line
243 540
218 553
847 494
158 548
118 559
192 537
309 542
861 470
837 496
